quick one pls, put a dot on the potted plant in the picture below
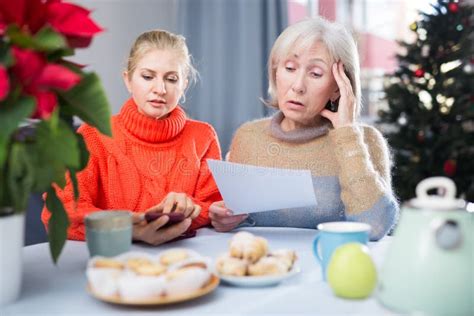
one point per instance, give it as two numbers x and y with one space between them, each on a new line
40 93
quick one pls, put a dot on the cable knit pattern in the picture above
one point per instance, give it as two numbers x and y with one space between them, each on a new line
144 161
350 168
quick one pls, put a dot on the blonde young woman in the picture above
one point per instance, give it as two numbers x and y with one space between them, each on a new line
314 83
156 159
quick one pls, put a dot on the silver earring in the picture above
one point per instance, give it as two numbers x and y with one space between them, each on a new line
332 105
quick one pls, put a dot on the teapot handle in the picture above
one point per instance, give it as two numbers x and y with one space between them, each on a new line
433 183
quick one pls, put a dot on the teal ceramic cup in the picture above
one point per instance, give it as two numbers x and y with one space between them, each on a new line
334 234
108 233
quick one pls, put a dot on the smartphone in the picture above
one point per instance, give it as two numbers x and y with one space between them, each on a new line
332 106
173 217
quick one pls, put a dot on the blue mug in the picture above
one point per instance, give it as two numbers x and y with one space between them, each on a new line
334 234
108 233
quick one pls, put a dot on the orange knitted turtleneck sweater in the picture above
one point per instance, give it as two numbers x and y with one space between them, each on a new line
144 161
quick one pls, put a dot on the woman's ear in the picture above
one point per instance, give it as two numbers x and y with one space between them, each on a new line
185 84
126 81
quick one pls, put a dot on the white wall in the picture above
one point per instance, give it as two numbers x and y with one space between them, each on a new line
123 21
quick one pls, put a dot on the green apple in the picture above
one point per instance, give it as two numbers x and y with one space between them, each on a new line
351 272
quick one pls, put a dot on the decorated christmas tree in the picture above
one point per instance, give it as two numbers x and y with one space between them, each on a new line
430 117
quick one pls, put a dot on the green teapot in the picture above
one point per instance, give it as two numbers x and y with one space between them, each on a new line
428 267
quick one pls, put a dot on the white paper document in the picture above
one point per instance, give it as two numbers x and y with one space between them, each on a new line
248 189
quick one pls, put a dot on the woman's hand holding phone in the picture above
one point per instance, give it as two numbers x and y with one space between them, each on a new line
166 221
173 218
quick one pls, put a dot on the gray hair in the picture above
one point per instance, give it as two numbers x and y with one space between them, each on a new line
338 41
161 39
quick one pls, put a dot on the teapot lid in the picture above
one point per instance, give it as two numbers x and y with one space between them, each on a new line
437 202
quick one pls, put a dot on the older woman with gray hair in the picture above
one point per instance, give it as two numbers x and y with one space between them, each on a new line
314 83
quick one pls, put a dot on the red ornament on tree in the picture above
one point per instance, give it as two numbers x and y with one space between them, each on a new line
449 167
420 136
453 7
419 73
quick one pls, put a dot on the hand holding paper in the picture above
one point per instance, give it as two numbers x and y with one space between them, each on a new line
248 189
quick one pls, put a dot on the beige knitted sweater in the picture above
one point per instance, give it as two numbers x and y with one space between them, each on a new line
350 168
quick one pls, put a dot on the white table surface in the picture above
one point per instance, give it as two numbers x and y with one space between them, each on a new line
60 290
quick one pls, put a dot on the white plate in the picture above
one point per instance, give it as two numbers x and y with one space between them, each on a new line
256 281
160 300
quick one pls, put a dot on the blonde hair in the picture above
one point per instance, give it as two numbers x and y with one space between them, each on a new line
338 41
164 40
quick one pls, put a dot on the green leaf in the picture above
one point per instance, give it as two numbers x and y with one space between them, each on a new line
75 186
58 224
6 57
88 101
53 120
46 40
58 136
47 174
5 197
49 40
57 150
84 152
60 53
11 114
20 173
84 159
19 38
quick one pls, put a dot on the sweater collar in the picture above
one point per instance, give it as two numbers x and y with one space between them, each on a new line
301 135
149 129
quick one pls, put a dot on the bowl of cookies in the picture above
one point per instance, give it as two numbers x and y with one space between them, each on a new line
137 278
250 262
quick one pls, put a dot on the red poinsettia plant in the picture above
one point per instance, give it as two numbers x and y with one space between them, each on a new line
40 94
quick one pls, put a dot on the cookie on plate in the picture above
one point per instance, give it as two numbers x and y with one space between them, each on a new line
247 246
268 266
133 263
150 269
287 256
108 263
185 280
227 265
173 256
